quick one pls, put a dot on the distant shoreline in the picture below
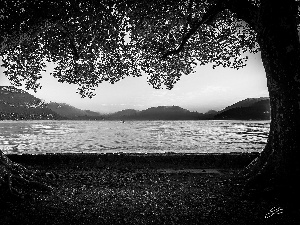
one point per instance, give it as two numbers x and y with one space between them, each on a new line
136 120
18 104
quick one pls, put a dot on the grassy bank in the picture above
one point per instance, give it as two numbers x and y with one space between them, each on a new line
142 189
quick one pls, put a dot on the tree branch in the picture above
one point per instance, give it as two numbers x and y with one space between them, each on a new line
244 10
206 19
66 32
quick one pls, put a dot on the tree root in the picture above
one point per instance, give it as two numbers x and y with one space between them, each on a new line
17 180
255 173
263 178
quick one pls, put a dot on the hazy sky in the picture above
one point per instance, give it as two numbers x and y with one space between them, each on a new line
201 91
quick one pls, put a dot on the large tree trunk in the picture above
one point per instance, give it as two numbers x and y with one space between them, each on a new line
279 164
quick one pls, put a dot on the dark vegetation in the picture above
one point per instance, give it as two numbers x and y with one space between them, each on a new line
138 189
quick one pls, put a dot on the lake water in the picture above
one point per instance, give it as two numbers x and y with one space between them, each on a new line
40 137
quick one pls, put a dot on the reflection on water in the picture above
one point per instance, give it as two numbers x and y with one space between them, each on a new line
40 137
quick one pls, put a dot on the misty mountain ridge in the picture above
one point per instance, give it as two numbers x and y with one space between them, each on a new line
248 109
248 102
155 113
71 112
18 104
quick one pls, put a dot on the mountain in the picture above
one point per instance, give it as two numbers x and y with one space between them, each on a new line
211 112
245 103
123 115
248 109
156 113
16 104
168 113
70 112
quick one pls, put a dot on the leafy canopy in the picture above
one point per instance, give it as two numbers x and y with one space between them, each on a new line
92 41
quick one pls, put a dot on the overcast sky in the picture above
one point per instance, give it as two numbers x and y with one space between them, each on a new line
201 91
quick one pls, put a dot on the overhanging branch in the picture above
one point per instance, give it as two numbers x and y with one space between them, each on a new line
206 19
244 10
73 47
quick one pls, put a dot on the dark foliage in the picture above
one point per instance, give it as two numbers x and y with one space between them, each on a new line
95 41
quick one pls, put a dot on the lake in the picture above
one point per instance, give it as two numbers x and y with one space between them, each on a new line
40 137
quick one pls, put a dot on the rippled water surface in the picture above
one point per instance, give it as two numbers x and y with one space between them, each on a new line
40 137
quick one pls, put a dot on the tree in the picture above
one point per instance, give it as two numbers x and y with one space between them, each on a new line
95 41
17 180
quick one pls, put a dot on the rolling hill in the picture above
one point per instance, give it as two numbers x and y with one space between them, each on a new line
156 113
70 112
248 109
16 104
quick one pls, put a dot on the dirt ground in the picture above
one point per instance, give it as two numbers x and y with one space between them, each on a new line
116 192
